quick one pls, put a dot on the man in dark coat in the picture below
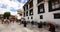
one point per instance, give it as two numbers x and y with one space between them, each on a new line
25 23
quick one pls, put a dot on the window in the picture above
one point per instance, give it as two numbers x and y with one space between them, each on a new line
24 8
28 17
27 7
54 5
41 9
41 16
31 4
27 13
31 17
39 1
24 14
57 16
31 12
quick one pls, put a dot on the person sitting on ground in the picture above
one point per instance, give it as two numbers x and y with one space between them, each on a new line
51 27
40 25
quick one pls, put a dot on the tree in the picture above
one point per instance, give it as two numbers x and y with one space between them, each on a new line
6 15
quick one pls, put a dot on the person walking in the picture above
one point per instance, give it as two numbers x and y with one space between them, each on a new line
2 21
25 23
20 21
13 20
8 21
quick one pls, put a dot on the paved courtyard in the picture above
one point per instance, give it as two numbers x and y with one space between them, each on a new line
15 27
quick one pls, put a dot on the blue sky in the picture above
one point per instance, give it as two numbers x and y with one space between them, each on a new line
11 6
4 6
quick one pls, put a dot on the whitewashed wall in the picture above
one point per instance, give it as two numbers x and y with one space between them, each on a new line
47 16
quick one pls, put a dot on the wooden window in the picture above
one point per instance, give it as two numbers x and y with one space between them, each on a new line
41 9
31 12
54 5
31 4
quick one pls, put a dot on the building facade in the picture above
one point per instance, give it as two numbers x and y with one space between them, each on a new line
20 13
1 17
42 10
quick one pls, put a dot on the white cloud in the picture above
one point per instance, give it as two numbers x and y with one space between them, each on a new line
14 3
5 10
11 3
22 1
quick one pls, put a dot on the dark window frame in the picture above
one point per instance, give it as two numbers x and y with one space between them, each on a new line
27 13
39 7
31 17
31 11
41 16
31 4
24 14
50 6
24 8
28 17
56 15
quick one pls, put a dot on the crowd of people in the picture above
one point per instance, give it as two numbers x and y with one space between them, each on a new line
7 21
40 25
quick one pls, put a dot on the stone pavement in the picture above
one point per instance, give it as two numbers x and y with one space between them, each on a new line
15 27
3 26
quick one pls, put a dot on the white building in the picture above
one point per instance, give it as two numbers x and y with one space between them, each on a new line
42 10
